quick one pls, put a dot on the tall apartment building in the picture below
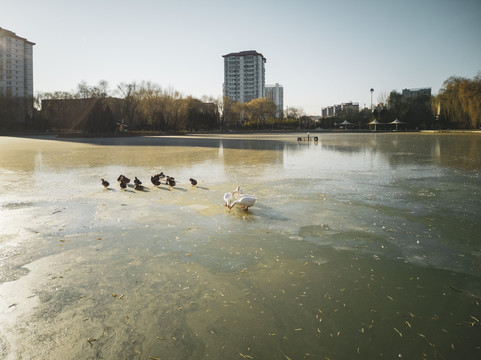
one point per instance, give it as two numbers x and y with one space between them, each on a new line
244 76
16 74
275 93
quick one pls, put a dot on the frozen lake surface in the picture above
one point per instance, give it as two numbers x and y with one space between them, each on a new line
359 246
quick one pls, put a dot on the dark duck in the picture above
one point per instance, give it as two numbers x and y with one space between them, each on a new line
155 180
137 181
170 181
123 179
138 187
193 182
105 183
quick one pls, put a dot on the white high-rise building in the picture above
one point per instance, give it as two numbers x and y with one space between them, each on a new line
275 93
244 76
16 71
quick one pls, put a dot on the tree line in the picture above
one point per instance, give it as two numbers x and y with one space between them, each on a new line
259 114
456 106
145 106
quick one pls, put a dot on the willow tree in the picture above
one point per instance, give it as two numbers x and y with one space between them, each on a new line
470 94
459 102
261 110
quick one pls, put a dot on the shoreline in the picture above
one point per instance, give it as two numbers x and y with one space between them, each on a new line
60 134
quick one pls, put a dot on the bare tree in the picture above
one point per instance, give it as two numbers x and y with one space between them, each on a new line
382 97
129 93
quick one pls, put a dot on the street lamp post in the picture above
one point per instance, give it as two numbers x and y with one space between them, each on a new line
372 90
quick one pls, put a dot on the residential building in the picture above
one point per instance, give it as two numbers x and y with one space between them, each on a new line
275 93
337 110
331 111
347 109
350 108
324 112
394 99
244 76
16 74
412 93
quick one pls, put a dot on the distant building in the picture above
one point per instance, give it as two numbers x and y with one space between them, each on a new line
324 112
350 108
394 99
244 76
331 111
412 93
275 93
336 110
16 75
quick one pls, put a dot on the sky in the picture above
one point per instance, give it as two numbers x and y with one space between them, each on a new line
323 52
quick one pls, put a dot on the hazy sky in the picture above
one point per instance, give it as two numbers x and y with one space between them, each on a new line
323 52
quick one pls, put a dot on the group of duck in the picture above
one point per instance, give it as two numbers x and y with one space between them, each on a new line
155 179
245 201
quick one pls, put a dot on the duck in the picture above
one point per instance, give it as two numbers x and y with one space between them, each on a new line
105 183
155 180
170 181
123 185
123 178
245 201
137 181
193 182
139 187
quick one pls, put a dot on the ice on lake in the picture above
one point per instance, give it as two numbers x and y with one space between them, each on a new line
358 244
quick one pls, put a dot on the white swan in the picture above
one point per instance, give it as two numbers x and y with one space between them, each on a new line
228 197
238 197
246 201
234 195
238 193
